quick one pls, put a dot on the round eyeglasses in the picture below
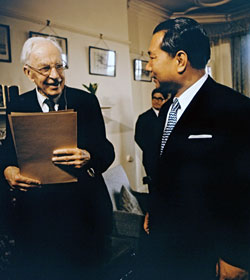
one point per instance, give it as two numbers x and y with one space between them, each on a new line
46 70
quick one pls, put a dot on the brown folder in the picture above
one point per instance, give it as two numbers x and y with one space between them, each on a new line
36 136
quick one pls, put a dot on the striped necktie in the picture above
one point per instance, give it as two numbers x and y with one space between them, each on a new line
50 103
172 119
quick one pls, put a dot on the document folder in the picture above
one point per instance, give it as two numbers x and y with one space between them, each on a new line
36 136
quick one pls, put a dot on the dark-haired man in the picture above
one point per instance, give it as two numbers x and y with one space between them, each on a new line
144 130
199 205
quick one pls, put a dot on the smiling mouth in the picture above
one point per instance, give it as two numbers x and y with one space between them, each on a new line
55 84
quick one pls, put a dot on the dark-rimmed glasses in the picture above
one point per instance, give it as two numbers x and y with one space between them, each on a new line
158 98
46 70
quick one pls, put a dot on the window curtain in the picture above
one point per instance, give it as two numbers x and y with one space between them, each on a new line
240 51
220 61
237 35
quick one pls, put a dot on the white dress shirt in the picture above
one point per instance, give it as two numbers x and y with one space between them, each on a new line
41 98
156 111
186 97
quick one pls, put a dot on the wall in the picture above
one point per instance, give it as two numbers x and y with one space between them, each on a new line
142 20
81 22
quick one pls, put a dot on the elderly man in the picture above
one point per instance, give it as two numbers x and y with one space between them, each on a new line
60 229
199 204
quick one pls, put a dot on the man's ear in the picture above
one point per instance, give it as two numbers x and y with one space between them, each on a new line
181 61
28 72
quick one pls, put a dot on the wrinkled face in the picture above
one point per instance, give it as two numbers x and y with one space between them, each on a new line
161 65
157 100
46 56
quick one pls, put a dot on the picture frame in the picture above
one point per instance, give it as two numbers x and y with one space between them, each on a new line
5 48
140 72
2 97
102 62
63 43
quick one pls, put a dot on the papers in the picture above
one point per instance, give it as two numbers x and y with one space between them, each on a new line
36 136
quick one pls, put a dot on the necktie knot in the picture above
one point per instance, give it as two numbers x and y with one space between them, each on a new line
176 105
50 103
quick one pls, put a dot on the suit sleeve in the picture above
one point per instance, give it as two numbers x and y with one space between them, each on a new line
8 155
139 133
100 148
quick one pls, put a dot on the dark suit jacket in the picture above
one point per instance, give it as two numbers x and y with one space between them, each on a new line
145 138
200 207
65 222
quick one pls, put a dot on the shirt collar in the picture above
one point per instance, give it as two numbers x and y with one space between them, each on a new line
41 98
156 111
186 97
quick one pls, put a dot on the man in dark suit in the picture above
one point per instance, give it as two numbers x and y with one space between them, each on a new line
199 205
60 229
144 128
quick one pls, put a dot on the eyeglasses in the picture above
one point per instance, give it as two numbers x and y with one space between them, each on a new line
158 98
46 70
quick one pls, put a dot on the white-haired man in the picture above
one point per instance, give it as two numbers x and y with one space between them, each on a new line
60 229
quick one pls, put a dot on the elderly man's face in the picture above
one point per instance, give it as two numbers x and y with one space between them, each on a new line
45 56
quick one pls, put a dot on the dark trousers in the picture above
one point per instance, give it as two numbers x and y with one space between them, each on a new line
154 262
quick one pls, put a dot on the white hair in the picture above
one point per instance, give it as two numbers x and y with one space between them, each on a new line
34 41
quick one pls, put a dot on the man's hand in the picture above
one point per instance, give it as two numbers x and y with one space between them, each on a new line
229 272
146 223
74 157
17 181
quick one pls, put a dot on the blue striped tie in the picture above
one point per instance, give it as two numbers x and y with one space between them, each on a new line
172 119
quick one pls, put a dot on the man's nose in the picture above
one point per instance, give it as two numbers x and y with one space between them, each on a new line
148 67
53 73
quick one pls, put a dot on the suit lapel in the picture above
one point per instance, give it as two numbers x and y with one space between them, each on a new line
63 100
28 102
193 119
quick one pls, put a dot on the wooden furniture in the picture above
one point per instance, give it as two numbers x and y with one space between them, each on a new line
7 95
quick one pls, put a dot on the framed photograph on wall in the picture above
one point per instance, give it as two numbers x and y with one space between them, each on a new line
5 50
140 72
102 62
63 43
2 97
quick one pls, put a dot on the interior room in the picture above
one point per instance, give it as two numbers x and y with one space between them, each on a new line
122 28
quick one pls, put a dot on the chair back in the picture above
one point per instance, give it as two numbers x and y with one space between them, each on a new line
115 178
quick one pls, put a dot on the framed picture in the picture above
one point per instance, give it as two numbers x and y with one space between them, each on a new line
63 43
140 72
5 50
102 62
2 97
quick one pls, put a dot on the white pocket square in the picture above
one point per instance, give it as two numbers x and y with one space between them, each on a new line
200 136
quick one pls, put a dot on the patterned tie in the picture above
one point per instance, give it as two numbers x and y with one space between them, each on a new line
172 119
50 103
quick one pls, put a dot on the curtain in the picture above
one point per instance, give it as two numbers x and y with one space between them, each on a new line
220 61
240 52
237 35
